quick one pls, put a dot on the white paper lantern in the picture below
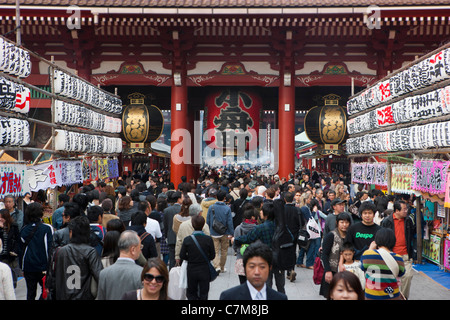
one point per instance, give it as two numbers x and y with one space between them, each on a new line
23 96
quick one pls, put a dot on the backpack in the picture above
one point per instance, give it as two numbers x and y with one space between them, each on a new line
283 242
96 239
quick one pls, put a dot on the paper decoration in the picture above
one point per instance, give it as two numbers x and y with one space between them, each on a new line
14 132
385 116
13 180
429 176
14 96
14 60
85 143
423 74
75 88
43 176
433 135
419 107
76 115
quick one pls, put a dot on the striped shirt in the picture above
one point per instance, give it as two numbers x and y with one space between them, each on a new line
381 284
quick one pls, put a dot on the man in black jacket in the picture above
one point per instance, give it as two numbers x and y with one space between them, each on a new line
138 223
175 198
292 214
76 264
404 229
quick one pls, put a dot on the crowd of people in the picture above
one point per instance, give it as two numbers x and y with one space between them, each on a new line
125 239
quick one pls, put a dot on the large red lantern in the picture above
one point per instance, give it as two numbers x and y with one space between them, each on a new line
233 120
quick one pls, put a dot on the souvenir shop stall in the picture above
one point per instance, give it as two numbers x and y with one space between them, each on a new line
399 137
85 122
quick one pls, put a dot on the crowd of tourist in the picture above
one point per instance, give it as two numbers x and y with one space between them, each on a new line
121 239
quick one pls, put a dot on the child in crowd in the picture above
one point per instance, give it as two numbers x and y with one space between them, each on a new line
348 263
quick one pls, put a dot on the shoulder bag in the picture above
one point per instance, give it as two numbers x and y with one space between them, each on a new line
392 265
212 271
218 226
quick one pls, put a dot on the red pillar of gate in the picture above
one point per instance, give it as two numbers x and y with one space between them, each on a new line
178 113
286 128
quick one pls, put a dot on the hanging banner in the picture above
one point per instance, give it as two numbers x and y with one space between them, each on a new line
103 171
113 168
401 178
13 180
429 176
71 171
43 176
370 173
86 166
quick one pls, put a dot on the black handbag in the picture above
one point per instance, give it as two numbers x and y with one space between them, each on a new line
303 238
212 271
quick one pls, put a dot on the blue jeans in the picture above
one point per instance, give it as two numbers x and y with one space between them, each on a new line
311 253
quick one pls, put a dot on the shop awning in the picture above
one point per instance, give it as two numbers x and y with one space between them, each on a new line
160 149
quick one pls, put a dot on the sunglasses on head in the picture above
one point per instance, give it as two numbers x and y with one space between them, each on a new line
149 277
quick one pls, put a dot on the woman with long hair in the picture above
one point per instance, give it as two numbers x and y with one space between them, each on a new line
179 218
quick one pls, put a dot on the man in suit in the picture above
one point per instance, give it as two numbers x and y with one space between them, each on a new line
124 275
257 264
